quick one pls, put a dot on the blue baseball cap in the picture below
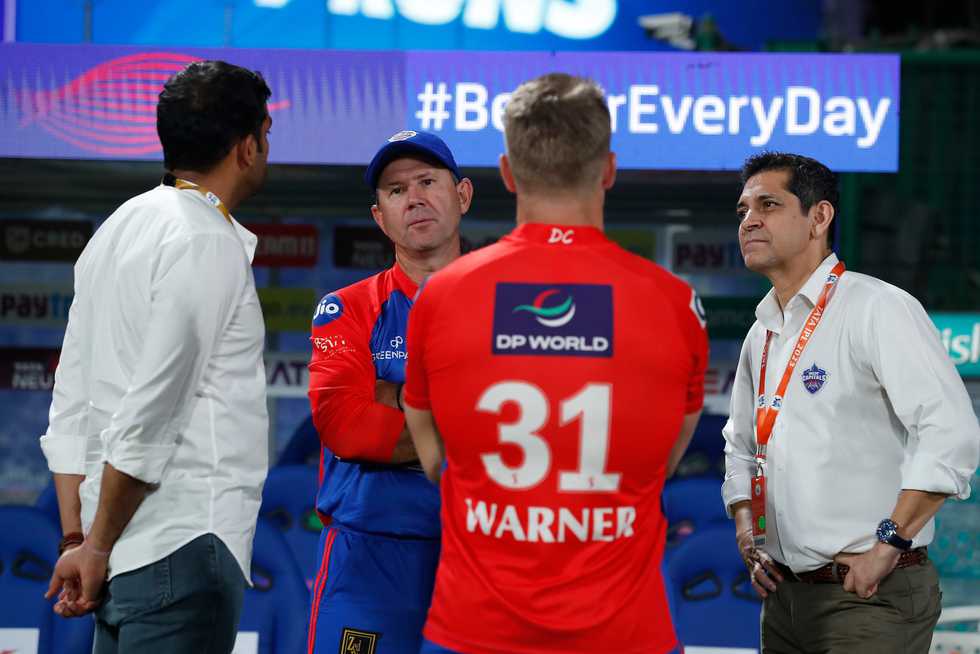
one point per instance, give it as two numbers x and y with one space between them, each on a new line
405 144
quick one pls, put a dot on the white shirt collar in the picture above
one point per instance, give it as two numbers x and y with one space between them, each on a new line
768 311
248 239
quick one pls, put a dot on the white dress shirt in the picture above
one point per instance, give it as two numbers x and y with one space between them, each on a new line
891 413
161 375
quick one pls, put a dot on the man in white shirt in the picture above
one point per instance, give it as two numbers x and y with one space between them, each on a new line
849 428
158 434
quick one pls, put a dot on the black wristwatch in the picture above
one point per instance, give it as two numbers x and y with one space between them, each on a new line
888 534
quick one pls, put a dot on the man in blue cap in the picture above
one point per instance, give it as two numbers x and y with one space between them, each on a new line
380 546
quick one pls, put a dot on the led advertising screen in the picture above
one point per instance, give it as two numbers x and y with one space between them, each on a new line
685 111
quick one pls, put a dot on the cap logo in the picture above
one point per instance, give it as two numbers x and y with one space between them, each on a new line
403 136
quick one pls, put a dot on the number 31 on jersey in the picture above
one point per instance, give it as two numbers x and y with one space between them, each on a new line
590 406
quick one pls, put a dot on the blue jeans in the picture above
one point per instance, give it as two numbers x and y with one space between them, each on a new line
189 601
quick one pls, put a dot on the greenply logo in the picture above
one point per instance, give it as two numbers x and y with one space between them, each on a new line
553 316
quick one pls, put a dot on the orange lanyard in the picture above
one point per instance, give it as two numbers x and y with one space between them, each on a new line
208 195
765 416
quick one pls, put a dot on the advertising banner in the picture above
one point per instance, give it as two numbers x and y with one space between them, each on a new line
710 259
43 240
960 334
362 247
285 245
287 309
729 317
413 24
35 305
694 111
28 369
286 374
704 111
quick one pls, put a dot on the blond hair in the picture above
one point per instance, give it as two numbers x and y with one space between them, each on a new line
557 133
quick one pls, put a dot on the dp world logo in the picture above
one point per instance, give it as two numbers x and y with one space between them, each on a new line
548 309
537 319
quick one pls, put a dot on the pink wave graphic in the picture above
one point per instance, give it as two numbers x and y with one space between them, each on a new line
109 109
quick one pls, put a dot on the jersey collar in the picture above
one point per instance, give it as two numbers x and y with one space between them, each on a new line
547 234
403 282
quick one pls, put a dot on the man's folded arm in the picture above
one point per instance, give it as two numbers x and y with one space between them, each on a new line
349 419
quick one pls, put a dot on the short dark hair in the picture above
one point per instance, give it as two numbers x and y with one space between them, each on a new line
206 109
809 180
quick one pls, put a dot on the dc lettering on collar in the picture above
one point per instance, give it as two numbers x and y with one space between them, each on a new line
563 236
329 309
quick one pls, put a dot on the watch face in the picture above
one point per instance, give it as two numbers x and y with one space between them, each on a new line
888 533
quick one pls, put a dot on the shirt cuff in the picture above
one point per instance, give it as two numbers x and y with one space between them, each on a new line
66 454
143 461
929 474
735 488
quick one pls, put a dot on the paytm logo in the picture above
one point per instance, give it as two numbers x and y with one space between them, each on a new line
553 319
572 19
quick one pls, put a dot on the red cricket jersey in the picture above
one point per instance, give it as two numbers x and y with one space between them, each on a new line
558 368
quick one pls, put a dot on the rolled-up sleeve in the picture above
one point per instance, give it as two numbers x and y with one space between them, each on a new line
927 395
739 433
195 290
67 443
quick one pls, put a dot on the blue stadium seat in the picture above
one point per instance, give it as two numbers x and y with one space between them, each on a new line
288 501
28 551
303 447
690 505
714 602
277 607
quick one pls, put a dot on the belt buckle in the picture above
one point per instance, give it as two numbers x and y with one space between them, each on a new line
835 571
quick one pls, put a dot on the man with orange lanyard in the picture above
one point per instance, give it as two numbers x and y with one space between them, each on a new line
849 429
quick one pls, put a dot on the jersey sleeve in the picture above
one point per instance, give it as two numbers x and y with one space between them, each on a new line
416 374
342 381
695 325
